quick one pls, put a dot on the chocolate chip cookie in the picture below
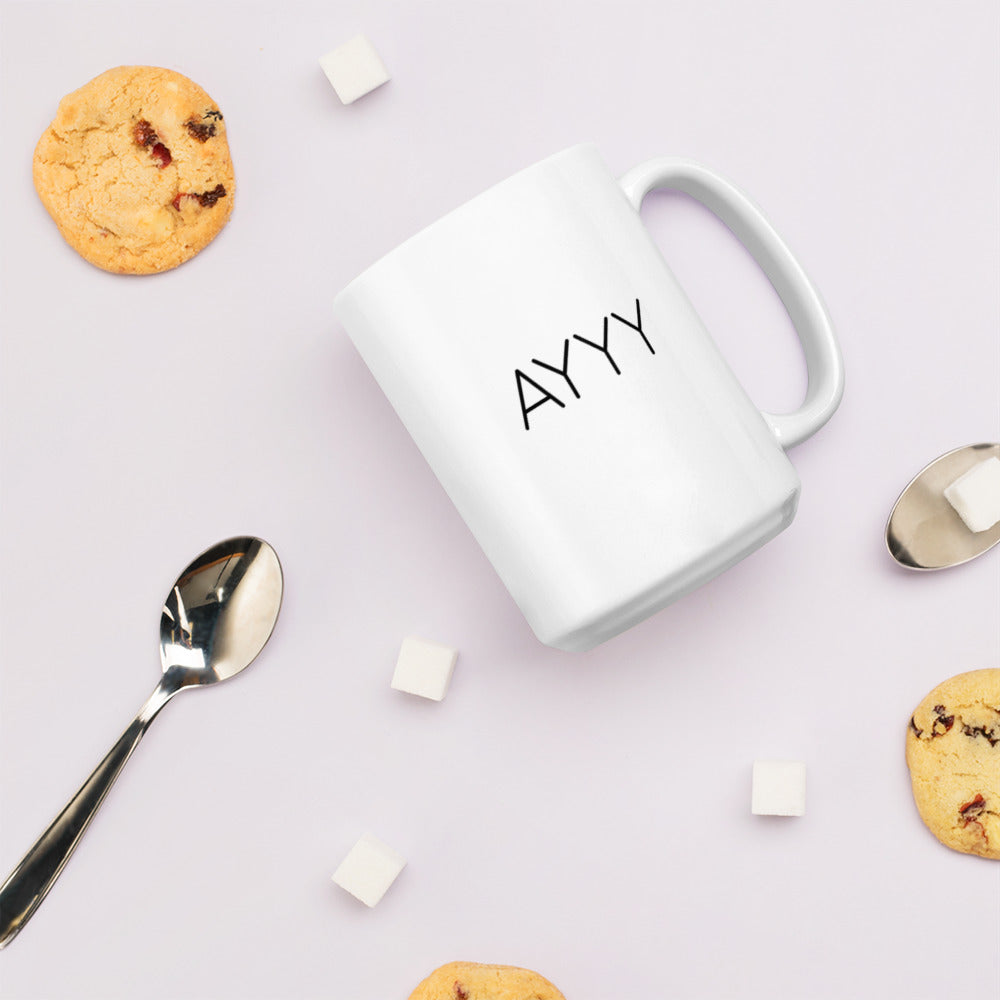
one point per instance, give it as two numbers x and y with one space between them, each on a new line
953 752
135 170
472 981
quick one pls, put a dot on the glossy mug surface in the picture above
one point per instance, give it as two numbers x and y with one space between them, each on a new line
558 381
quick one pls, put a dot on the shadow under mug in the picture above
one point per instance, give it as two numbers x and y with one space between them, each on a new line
574 407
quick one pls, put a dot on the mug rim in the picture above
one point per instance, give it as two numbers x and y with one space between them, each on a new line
485 193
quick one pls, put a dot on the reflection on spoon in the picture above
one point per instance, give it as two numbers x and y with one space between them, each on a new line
215 621
924 530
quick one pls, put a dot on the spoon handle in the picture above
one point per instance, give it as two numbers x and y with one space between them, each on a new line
31 880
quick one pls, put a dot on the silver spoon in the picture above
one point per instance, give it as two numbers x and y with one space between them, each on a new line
215 621
924 530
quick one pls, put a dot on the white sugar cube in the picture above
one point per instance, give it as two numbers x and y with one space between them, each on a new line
424 668
369 869
976 495
779 788
354 69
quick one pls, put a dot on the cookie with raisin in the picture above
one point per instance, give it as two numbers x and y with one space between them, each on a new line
953 753
135 170
474 981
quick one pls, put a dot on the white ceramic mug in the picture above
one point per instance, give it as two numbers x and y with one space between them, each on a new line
572 404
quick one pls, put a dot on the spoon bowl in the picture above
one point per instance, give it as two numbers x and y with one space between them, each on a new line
216 619
221 611
924 531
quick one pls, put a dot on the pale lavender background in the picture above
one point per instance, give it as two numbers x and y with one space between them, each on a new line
584 815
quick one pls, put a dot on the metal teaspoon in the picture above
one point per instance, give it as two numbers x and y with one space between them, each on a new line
216 619
924 530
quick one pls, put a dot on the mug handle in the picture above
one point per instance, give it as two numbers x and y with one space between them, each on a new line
824 365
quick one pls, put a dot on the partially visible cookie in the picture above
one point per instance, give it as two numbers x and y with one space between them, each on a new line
953 752
135 170
473 981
